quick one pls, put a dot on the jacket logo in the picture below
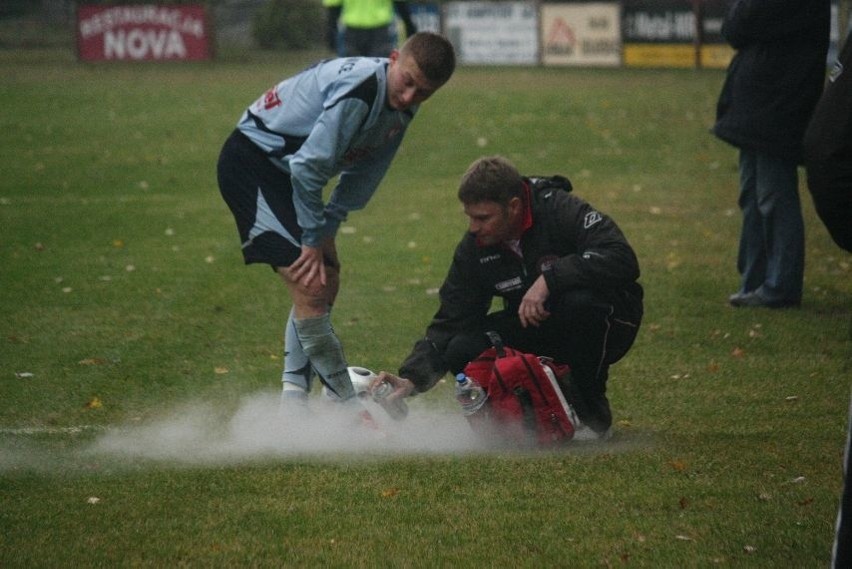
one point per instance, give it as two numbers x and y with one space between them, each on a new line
546 263
836 71
488 259
508 285
591 218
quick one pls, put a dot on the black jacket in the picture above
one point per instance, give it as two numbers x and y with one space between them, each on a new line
571 243
776 76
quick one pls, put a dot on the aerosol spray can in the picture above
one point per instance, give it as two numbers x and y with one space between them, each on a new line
396 408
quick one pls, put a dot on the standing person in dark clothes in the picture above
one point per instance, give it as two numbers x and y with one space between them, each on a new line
772 86
828 159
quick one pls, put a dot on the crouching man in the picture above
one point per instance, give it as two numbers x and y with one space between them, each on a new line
565 272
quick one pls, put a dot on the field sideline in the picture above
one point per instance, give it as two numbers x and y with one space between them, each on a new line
139 359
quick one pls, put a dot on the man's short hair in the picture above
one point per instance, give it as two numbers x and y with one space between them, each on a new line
492 178
434 55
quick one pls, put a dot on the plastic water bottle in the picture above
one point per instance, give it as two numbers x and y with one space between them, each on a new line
396 408
470 395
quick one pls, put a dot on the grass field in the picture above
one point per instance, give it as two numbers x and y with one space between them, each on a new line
139 359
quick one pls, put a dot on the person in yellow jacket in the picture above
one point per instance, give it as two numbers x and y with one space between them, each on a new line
369 26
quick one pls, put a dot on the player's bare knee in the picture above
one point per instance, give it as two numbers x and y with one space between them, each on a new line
309 302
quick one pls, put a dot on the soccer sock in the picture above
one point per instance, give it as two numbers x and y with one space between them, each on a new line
325 353
297 373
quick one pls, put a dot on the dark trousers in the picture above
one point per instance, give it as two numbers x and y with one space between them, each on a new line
587 330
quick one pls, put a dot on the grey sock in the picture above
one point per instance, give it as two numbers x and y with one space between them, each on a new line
322 347
297 366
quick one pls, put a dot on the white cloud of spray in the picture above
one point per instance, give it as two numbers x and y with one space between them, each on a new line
259 429
253 429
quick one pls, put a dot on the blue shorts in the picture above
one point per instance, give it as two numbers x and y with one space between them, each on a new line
261 198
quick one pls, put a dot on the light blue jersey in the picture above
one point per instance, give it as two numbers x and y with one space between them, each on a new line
332 118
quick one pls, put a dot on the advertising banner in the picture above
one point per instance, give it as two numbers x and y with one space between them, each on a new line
142 33
493 32
581 34
427 17
659 33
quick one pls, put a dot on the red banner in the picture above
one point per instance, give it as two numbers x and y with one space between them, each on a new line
142 33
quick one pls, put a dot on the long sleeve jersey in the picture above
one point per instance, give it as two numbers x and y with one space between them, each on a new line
331 119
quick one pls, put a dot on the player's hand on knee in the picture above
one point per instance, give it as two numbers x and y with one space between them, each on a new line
308 268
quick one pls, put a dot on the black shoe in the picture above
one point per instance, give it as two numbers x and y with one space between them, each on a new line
756 300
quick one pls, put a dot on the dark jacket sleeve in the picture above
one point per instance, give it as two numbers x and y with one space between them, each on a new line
601 257
829 133
463 306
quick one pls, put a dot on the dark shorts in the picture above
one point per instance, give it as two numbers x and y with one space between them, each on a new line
261 198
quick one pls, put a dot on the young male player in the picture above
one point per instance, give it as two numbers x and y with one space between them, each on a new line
342 117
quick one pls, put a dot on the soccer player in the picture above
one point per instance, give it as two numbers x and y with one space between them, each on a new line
343 117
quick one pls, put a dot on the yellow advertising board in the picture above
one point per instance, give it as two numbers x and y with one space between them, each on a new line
659 55
712 56
716 56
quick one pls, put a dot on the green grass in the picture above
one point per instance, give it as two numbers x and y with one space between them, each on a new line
122 285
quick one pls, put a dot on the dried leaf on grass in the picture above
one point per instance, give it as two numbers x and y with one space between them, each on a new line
94 403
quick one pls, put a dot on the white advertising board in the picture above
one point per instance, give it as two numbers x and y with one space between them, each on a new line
581 34
504 33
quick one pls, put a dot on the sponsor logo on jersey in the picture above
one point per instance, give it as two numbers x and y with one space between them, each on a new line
348 65
489 258
271 99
